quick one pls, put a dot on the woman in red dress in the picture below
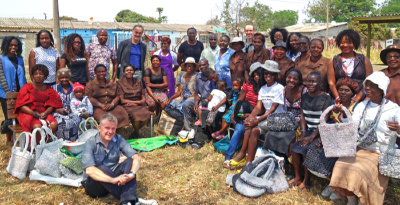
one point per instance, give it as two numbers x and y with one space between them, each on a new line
36 101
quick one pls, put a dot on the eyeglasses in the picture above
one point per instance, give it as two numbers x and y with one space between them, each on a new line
77 42
397 57
190 66
164 43
301 44
278 36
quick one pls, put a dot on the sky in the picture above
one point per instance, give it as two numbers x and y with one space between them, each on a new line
177 11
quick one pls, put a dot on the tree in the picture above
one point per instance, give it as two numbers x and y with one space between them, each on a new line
391 7
339 10
161 18
258 15
68 18
131 16
231 14
398 32
378 31
214 21
285 18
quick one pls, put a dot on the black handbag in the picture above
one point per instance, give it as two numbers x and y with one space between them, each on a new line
282 121
4 127
317 163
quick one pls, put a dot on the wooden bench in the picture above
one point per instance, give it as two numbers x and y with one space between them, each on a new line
15 128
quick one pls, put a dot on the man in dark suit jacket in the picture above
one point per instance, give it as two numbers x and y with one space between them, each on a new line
132 51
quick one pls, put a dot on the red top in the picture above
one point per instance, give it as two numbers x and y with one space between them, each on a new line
250 96
37 101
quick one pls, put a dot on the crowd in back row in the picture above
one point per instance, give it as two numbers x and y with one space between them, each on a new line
292 76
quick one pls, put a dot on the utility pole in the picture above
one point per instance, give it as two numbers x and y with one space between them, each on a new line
327 24
56 26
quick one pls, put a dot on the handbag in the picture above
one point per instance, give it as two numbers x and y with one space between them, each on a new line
389 159
4 126
20 158
282 121
317 163
168 125
339 139
54 146
87 133
210 117
367 135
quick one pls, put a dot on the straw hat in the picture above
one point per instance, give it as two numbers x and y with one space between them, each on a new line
190 60
387 50
236 40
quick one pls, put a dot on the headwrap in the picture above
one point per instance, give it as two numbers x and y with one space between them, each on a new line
379 78
78 86
350 83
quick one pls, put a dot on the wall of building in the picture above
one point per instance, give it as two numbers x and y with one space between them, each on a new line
333 32
28 40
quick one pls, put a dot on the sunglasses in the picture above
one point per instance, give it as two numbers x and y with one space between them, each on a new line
397 57
301 44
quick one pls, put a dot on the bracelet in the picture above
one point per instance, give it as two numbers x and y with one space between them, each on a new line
302 130
337 98
112 104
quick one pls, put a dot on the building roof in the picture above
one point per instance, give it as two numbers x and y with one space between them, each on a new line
385 18
66 24
312 27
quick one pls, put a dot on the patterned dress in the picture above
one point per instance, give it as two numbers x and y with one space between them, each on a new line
188 89
294 107
100 55
37 101
67 124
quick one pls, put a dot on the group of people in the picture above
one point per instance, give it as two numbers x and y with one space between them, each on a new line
232 82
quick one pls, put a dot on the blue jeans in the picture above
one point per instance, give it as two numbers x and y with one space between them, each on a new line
237 135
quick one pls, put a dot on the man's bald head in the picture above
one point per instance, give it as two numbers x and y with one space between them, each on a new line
203 64
101 30
102 36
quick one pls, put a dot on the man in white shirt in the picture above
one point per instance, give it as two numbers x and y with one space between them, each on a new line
209 52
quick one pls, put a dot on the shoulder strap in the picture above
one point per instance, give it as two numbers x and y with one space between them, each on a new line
3 81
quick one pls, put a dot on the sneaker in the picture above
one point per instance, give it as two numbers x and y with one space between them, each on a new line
334 197
327 191
147 202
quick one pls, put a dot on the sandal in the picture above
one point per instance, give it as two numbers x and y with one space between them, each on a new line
197 123
235 163
305 188
215 134
293 183
219 137
226 164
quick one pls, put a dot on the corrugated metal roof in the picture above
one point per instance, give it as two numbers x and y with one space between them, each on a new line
311 27
377 15
48 24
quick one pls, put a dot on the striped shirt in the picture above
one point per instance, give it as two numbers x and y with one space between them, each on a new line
250 96
313 107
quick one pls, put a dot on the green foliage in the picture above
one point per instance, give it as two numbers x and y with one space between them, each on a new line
131 16
259 15
68 18
285 18
378 31
339 10
398 32
391 7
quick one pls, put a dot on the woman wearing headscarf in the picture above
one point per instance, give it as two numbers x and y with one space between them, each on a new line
359 177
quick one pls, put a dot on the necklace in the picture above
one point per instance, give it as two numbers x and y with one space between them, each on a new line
348 65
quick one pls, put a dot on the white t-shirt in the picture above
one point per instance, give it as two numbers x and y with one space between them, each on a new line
173 55
218 96
270 95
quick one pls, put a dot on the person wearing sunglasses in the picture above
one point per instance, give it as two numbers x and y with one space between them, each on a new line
285 63
76 59
169 61
348 64
314 61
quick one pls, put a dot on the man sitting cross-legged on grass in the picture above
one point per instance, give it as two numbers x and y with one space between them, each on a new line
103 174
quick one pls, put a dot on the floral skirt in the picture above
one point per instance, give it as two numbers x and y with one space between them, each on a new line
158 93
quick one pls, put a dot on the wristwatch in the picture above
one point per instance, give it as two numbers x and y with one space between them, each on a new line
132 172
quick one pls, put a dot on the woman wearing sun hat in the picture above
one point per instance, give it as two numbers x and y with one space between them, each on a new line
271 98
238 59
285 63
